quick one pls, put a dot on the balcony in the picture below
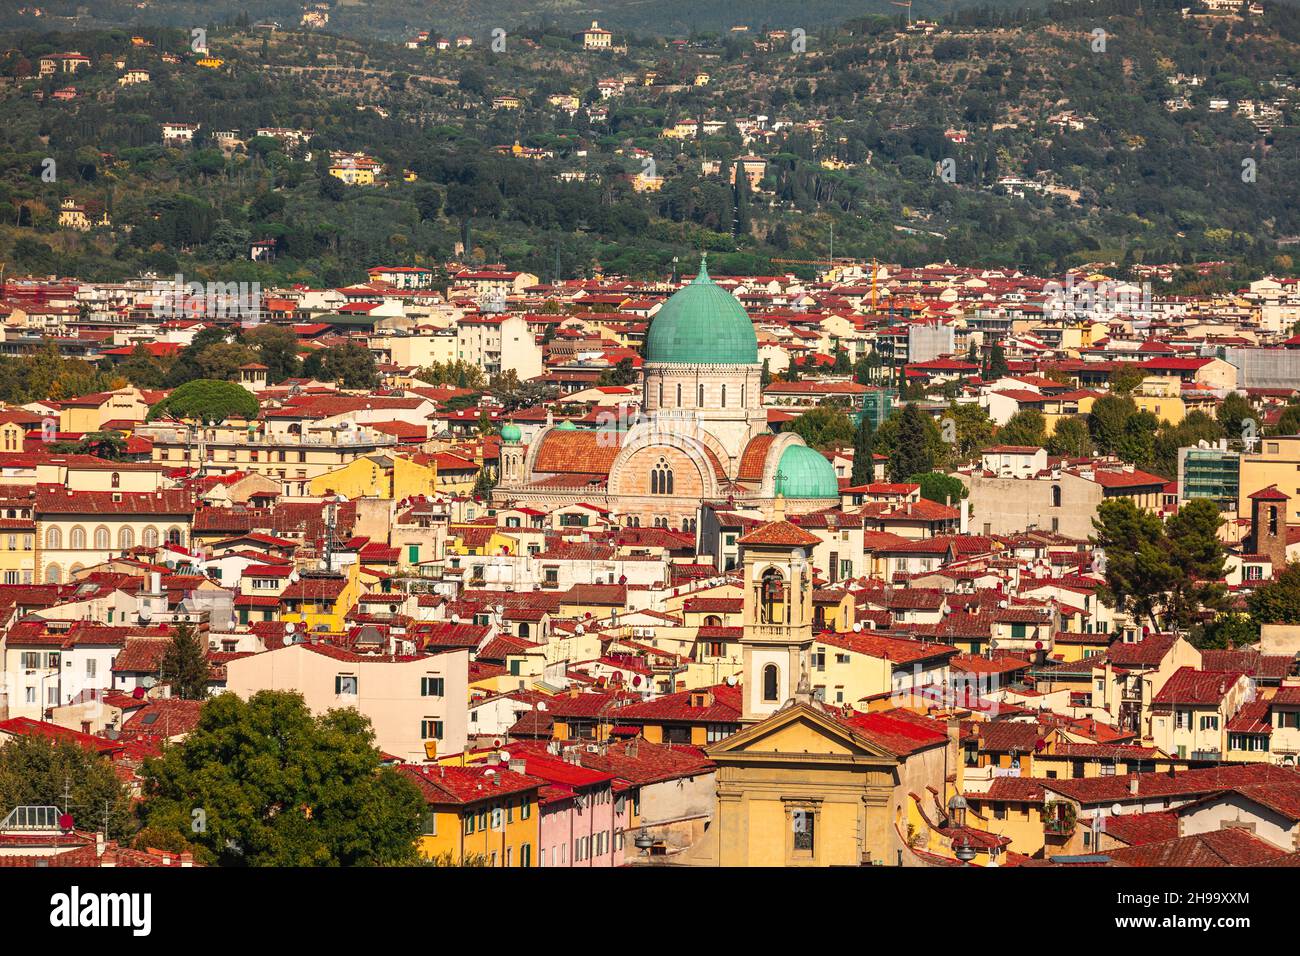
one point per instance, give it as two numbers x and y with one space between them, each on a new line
1059 827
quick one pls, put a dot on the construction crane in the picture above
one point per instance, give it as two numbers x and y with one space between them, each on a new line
908 4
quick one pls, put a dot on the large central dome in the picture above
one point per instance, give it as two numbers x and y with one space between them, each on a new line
702 324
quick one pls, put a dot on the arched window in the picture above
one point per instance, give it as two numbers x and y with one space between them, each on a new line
150 537
53 575
1056 496
174 536
77 540
679 394
116 480
700 403
724 395
661 393
1272 519
126 539
771 597
523 629
769 682
103 540
661 479
53 540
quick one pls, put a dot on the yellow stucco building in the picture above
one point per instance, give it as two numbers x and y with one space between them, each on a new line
477 815
381 475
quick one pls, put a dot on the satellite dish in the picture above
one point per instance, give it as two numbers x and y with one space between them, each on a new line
636 680
579 630
289 627
455 619
1116 809
65 821
138 693
857 626
148 681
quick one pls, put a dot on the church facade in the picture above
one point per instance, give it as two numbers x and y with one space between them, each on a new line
702 435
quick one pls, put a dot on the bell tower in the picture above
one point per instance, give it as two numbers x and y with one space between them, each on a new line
778 615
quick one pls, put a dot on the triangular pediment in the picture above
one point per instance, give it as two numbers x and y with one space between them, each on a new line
799 729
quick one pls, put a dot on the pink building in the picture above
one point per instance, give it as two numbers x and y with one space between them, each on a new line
583 820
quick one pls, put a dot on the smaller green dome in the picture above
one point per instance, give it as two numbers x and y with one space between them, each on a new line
566 426
510 432
805 473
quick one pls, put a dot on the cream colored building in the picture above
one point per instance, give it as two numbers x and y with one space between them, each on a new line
416 705
78 529
291 458
496 343
1275 461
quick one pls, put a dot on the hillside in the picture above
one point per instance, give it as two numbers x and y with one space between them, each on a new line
395 19
992 140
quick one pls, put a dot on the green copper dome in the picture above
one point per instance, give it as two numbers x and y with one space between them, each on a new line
805 473
510 432
702 324
566 426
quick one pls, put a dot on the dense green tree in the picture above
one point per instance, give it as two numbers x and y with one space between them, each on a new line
1234 411
38 771
998 367
1026 427
458 373
1070 438
208 401
1195 549
184 664
1288 423
914 449
621 374
1139 567
1137 441
1106 421
1225 631
973 431
277 786
350 365
1277 601
826 426
1127 378
277 349
936 486
864 465
141 369
223 360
